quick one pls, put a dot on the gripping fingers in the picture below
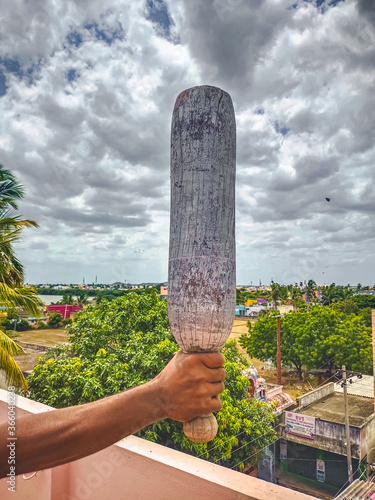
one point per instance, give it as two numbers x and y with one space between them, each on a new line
216 375
215 404
216 388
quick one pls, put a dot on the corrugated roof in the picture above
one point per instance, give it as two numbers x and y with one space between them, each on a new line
358 490
359 387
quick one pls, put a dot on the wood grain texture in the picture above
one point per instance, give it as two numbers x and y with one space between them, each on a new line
202 270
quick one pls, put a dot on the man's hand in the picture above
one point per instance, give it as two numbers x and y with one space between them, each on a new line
187 387
190 384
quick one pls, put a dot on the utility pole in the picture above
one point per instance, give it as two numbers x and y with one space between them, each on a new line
278 351
347 428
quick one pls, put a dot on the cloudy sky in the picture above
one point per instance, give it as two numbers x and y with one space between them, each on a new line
87 89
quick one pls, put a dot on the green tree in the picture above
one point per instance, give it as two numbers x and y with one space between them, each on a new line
55 320
345 292
309 290
347 306
294 293
365 301
99 296
67 298
275 294
19 325
82 298
320 338
366 314
121 344
329 293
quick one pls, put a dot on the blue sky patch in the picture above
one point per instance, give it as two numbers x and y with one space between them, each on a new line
75 39
109 35
158 13
72 75
281 130
11 66
320 4
3 83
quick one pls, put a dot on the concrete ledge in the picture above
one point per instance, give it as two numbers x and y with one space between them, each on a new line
315 395
136 469
36 347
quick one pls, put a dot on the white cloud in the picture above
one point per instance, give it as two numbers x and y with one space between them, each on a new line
86 119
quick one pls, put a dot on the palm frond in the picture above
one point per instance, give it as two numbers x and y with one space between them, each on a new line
11 370
20 297
9 345
8 222
10 188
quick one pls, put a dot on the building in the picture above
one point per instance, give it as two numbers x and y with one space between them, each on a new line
117 284
240 310
254 311
312 445
66 310
271 393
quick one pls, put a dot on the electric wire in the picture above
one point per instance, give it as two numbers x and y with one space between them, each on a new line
264 434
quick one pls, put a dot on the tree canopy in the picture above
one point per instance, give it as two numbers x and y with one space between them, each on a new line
323 337
121 344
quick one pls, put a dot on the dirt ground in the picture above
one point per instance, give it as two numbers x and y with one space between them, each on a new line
48 337
291 382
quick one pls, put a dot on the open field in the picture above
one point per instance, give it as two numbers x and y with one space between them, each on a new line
48 337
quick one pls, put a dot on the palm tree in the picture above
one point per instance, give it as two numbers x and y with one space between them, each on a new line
275 294
13 374
346 292
329 293
295 296
12 291
67 299
82 298
310 290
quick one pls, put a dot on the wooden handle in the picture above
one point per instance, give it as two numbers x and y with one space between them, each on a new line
202 269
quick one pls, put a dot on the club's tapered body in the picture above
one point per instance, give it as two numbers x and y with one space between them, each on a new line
202 269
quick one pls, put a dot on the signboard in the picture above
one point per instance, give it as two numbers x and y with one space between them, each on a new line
283 449
321 470
300 425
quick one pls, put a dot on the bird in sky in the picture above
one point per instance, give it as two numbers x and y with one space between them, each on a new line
328 199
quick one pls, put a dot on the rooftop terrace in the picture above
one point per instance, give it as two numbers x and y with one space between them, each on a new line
135 469
331 408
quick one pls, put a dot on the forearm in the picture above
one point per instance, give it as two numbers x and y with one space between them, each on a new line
57 437
187 387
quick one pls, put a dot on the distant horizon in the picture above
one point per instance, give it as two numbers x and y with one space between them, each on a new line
155 283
